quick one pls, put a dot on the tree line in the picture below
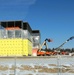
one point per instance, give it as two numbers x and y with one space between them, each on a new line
61 49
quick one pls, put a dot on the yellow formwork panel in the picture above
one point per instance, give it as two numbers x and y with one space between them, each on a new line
30 48
10 47
15 47
27 47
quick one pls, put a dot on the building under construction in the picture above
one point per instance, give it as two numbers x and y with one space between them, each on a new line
18 39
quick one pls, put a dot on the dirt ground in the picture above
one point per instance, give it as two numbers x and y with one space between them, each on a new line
37 65
40 69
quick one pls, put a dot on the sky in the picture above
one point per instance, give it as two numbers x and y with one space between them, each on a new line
54 18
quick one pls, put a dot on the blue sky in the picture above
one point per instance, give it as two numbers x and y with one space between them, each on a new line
54 18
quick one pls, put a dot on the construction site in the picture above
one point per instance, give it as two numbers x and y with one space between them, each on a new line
18 39
22 53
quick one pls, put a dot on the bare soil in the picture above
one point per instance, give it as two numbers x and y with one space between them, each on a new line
40 69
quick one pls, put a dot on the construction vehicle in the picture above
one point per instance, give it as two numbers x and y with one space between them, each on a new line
44 52
63 52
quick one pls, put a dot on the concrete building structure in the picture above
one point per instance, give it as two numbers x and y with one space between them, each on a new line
16 38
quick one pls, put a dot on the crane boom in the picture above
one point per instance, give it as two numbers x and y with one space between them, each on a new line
65 42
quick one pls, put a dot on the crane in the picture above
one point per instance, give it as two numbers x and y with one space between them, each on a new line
65 42
58 48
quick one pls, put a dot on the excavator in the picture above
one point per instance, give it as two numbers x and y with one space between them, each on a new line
46 52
